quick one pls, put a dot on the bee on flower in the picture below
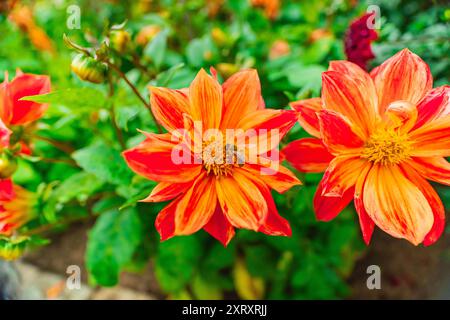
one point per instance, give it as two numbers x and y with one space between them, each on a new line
379 137
223 184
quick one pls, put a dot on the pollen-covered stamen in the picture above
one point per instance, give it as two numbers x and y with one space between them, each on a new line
387 146
219 158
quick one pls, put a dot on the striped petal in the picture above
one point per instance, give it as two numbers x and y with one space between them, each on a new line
327 208
165 191
342 174
153 159
274 175
405 76
307 155
206 99
196 206
265 128
165 221
349 90
433 200
337 133
432 168
168 106
219 227
306 113
435 104
366 223
397 205
432 139
241 201
241 95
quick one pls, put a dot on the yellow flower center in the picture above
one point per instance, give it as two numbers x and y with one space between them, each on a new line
387 146
219 158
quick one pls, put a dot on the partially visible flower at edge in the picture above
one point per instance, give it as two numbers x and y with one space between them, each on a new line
22 16
271 7
358 40
206 195
379 138
15 112
16 207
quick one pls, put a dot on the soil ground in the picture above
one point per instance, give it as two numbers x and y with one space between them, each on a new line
407 272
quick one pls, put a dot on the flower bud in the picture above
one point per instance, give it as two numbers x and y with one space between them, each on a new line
219 36
89 69
8 165
11 249
147 34
119 40
227 69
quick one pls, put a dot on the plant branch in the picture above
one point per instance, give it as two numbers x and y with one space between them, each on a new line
57 144
136 92
112 113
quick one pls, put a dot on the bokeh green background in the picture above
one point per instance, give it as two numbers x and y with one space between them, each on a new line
316 261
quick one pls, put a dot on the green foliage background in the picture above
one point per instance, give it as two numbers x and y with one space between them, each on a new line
317 259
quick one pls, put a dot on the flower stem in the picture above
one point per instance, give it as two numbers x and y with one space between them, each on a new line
57 144
112 113
136 92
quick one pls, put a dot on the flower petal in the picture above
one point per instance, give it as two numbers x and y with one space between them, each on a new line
275 175
165 191
196 206
307 155
366 223
6 189
274 225
432 139
267 127
165 221
337 133
241 95
22 85
241 201
219 227
306 113
153 159
342 174
405 76
432 168
350 90
435 104
396 204
433 200
168 106
5 134
206 98
327 208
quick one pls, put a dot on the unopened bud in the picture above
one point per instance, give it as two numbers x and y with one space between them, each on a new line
8 165
119 40
89 69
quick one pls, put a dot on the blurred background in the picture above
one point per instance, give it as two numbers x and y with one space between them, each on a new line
290 43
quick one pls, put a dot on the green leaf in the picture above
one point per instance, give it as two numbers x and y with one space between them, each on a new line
176 262
111 244
79 186
105 163
74 98
156 49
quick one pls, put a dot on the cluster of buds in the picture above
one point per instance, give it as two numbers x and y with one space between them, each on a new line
92 64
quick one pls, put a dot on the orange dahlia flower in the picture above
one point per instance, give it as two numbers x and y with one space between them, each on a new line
16 206
271 7
222 185
13 111
379 137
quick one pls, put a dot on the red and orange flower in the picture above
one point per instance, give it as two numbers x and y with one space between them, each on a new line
16 207
379 137
14 112
212 192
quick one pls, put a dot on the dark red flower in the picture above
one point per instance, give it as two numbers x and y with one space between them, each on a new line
358 39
